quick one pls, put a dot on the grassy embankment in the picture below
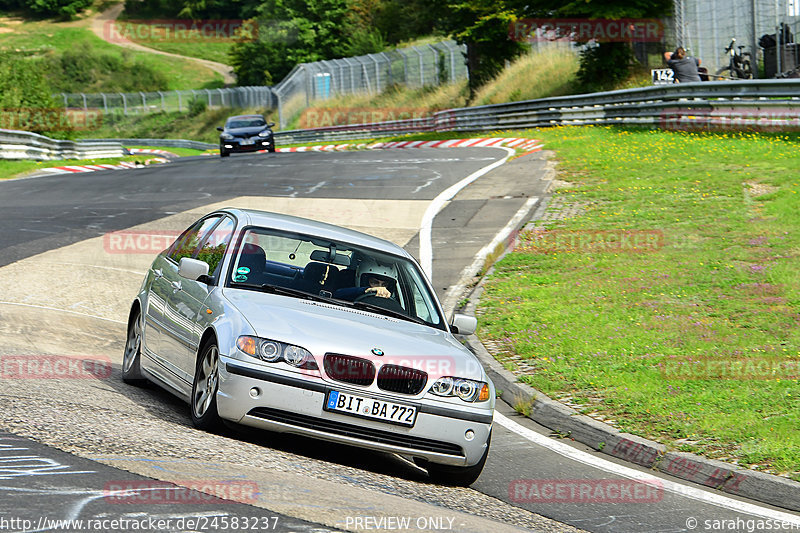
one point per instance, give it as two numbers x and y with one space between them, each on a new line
643 338
47 39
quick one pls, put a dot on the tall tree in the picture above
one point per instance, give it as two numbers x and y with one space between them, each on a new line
290 32
482 25
605 63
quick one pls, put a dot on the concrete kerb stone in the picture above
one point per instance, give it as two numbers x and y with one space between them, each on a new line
566 422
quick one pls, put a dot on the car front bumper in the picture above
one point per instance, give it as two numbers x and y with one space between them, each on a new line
287 403
235 145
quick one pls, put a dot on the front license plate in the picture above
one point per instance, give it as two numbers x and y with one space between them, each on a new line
246 141
351 404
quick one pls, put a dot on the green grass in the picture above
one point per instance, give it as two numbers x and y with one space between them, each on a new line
171 125
38 38
183 152
191 43
16 168
723 284
534 75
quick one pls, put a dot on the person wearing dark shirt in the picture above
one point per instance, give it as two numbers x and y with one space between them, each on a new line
685 67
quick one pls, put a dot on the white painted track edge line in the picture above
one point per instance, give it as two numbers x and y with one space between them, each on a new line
695 493
425 244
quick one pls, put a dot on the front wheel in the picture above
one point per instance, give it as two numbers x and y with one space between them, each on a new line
131 370
204 390
223 152
458 476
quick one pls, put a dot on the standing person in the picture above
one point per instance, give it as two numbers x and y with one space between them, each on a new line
685 67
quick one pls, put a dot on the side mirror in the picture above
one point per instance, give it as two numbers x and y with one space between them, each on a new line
463 324
220 128
271 125
193 269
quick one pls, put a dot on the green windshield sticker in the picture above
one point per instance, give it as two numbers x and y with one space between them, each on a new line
240 277
242 270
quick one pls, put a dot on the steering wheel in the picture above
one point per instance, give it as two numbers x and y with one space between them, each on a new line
386 303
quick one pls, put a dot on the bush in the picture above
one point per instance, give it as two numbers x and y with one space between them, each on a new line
197 106
56 8
604 66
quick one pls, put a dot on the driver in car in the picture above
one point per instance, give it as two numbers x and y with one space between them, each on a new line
373 279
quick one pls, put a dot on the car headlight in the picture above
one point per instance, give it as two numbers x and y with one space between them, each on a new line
274 352
466 389
226 136
265 133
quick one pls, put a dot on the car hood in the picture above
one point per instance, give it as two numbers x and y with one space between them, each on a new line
327 328
240 132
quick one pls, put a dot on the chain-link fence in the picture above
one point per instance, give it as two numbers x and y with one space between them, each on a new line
416 66
707 27
151 102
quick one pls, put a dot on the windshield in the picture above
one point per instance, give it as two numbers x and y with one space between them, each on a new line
339 272
246 123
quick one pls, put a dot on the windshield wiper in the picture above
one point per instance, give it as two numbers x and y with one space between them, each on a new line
384 311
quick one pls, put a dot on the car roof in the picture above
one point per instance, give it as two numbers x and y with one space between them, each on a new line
236 117
254 217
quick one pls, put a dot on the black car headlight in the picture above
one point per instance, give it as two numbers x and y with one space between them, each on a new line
226 136
466 389
274 352
265 133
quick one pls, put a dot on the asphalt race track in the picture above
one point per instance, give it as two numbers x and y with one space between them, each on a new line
67 285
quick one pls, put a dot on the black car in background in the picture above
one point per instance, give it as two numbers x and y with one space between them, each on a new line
246 133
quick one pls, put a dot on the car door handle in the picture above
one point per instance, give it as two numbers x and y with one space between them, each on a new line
176 286
158 274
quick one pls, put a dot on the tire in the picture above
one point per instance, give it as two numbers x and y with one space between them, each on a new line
203 403
131 357
271 149
458 476
223 153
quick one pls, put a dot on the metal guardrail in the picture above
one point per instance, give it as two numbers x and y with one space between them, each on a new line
734 105
26 145
168 143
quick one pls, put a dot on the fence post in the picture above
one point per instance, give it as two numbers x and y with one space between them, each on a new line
105 103
124 104
405 66
435 63
66 104
221 98
208 93
389 66
162 100
421 68
144 102
377 74
179 101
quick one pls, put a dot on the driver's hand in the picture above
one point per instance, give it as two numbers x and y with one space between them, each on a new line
383 292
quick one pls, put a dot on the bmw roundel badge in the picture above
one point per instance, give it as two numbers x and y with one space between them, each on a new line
377 351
